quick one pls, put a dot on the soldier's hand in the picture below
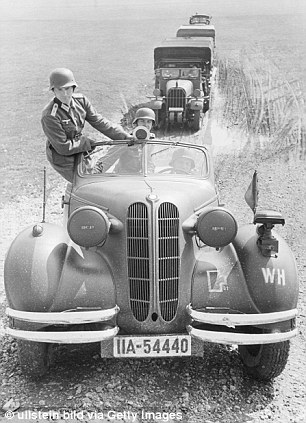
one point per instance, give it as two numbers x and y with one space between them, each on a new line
131 139
88 160
92 145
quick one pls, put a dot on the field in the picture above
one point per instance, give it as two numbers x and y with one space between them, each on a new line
109 46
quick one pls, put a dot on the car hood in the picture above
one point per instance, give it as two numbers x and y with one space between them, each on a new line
115 194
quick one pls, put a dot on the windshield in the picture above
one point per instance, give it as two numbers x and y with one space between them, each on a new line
193 72
170 73
151 158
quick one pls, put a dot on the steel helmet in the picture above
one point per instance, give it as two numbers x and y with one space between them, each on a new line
144 113
183 153
61 78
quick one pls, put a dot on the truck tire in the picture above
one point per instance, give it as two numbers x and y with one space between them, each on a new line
160 118
34 358
264 362
196 122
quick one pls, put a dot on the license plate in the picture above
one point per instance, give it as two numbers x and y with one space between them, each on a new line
152 346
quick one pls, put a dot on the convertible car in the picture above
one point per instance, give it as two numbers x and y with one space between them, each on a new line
149 263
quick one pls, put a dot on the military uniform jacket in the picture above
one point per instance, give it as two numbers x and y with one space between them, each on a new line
63 127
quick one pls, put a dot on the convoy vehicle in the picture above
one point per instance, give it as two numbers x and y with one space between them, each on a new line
183 69
149 263
197 31
199 19
199 26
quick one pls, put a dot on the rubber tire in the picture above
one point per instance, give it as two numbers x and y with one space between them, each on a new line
162 118
196 123
34 358
264 362
206 107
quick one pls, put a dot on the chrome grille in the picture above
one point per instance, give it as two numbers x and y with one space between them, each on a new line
138 260
176 97
168 260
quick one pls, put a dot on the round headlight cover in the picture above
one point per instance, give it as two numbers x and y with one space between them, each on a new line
157 92
88 226
197 93
141 133
216 227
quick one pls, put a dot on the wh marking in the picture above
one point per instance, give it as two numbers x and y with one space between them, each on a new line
274 276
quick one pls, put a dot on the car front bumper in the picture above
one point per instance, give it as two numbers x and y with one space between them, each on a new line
64 318
227 323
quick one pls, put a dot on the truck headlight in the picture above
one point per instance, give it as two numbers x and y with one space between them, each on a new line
88 226
216 227
157 92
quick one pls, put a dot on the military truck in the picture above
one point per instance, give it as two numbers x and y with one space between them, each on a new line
199 19
183 68
199 26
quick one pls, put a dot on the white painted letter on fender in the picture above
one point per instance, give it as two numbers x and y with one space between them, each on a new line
270 276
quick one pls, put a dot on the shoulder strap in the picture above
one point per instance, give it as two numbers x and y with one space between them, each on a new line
54 109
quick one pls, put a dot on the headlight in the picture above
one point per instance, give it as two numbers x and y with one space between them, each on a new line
216 227
88 226
197 93
157 92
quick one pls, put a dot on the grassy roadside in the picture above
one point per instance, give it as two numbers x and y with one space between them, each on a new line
261 101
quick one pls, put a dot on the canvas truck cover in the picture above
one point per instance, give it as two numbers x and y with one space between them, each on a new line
196 31
198 50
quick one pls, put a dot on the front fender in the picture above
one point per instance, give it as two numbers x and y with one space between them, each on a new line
196 104
219 281
156 104
239 278
33 266
49 272
272 281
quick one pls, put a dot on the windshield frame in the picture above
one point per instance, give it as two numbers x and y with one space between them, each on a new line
167 144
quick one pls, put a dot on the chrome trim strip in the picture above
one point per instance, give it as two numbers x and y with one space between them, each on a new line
198 209
232 320
240 338
64 318
73 337
86 202
176 109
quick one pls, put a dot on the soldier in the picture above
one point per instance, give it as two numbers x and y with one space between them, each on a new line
145 117
129 160
182 161
63 121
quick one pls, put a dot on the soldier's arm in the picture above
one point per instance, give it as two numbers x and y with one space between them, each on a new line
103 125
58 138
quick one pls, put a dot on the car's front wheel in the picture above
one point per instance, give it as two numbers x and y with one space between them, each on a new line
264 362
34 357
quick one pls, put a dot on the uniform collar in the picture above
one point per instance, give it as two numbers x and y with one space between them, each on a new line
63 105
72 104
